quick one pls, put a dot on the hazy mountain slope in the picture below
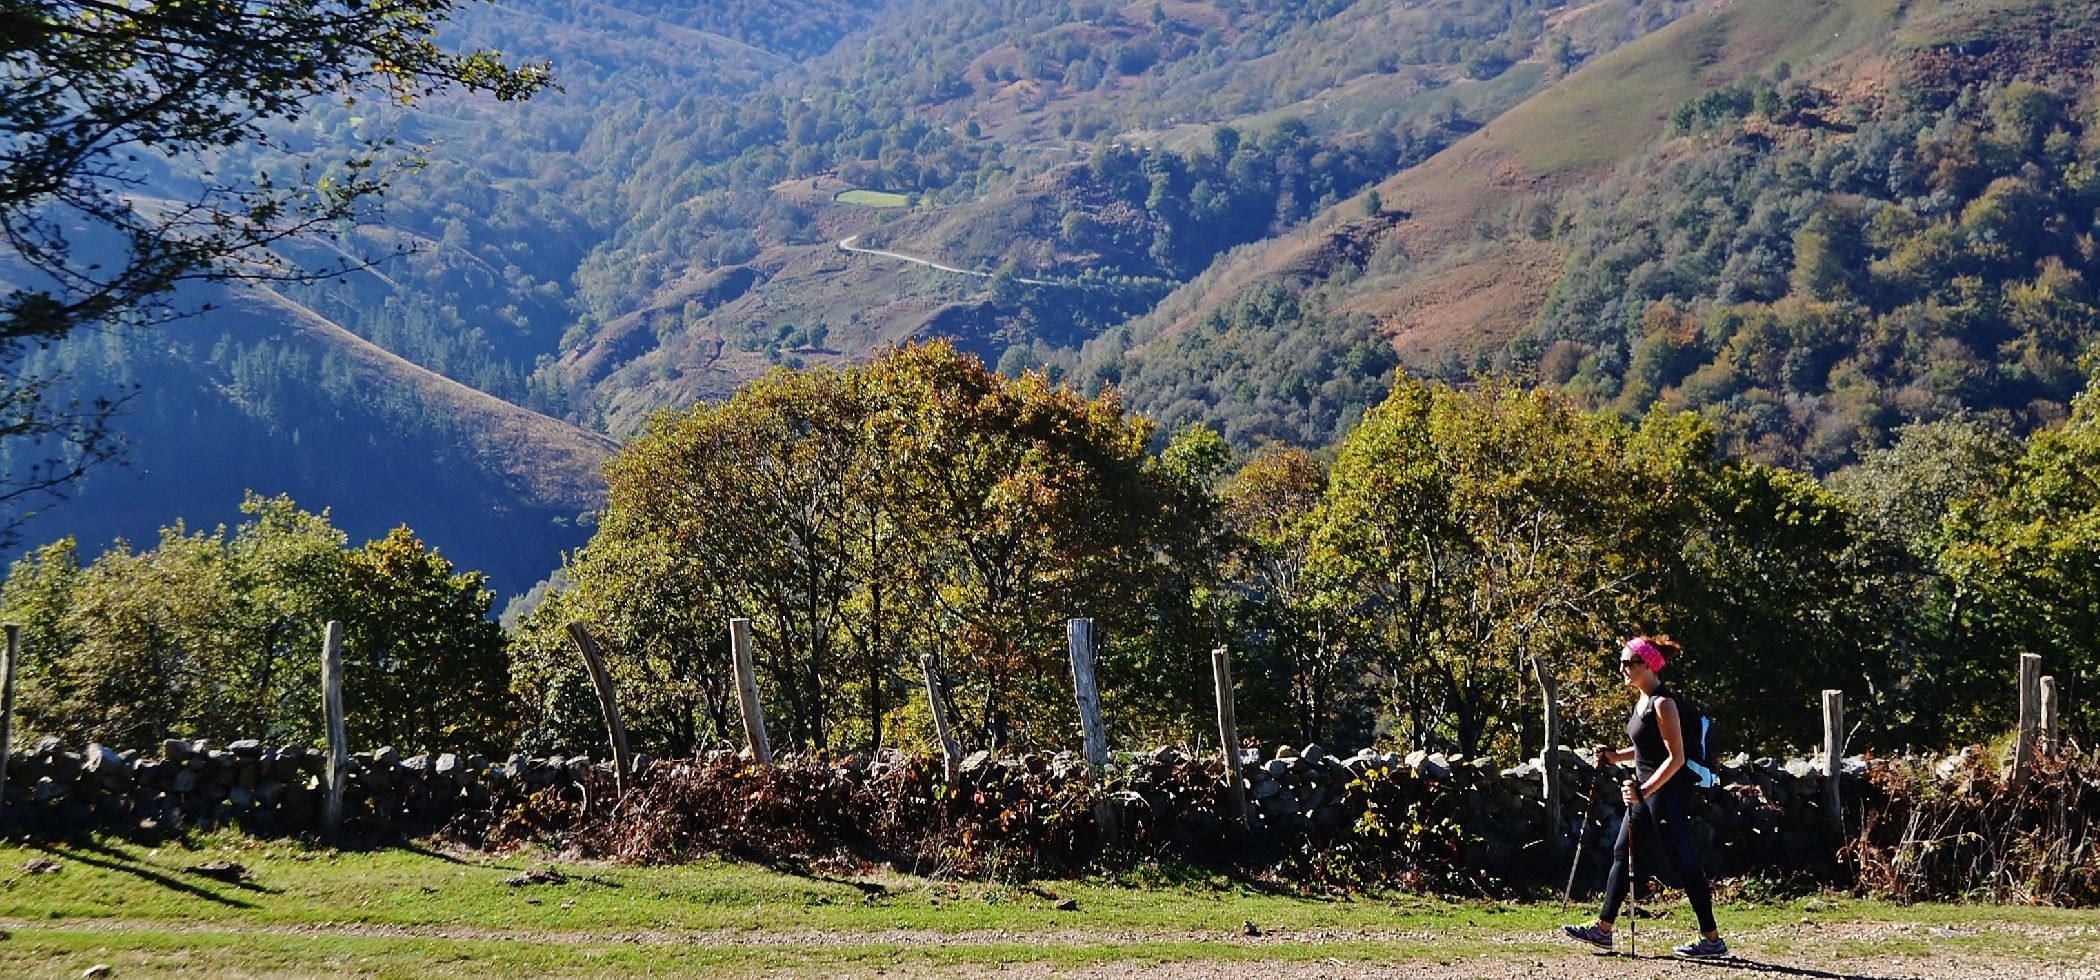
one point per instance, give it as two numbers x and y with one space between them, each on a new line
303 393
260 394
533 460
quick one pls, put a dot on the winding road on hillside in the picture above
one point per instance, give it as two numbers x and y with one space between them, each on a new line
846 245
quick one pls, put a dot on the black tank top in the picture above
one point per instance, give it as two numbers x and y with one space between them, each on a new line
1644 728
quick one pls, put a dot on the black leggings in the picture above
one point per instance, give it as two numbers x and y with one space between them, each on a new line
1666 835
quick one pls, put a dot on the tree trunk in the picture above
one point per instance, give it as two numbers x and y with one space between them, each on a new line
812 668
264 715
874 669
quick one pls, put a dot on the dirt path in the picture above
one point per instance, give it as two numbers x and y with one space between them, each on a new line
1543 968
1830 952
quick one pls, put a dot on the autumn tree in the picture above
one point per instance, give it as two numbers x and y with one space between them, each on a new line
919 504
1274 503
1028 504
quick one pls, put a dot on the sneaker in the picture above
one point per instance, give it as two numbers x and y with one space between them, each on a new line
1588 934
1704 949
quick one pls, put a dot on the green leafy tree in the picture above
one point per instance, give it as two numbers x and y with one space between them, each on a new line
1776 598
1902 497
1156 671
2027 560
205 634
1274 504
288 565
218 635
151 638
1471 535
423 665
663 630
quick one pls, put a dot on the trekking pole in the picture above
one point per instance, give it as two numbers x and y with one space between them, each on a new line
1567 895
1633 878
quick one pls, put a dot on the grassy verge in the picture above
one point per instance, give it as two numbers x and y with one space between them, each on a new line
414 912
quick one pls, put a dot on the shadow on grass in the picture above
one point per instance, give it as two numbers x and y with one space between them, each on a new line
100 856
1137 873
794 868
419 850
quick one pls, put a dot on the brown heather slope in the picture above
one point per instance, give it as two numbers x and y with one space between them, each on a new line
1465 275
541 461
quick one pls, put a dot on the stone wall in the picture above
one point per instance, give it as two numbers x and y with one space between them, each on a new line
271 789
1767 818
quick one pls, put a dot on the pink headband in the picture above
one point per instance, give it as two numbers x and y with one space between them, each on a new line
1640 647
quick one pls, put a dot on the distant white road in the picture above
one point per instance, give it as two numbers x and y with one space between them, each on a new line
846 245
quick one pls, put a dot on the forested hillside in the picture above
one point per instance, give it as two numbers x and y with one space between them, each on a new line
663 227
404 394
1809 234
1038 166
1810 221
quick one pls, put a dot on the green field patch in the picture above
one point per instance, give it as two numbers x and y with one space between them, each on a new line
872 199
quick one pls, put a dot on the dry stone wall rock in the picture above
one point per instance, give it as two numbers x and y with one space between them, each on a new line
1766 817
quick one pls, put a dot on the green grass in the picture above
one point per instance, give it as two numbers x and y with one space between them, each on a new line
412 912
872 199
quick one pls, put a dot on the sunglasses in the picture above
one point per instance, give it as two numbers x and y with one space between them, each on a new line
1628 662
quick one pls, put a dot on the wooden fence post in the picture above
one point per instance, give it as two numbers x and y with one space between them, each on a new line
338 762
1834 759
608 700
937 696
1079 638
2030 713
1229 739
1549 755
2049 732
13 657
747 691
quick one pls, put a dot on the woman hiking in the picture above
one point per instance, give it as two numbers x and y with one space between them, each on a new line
1655 799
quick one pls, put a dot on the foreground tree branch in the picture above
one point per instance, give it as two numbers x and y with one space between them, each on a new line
113 115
